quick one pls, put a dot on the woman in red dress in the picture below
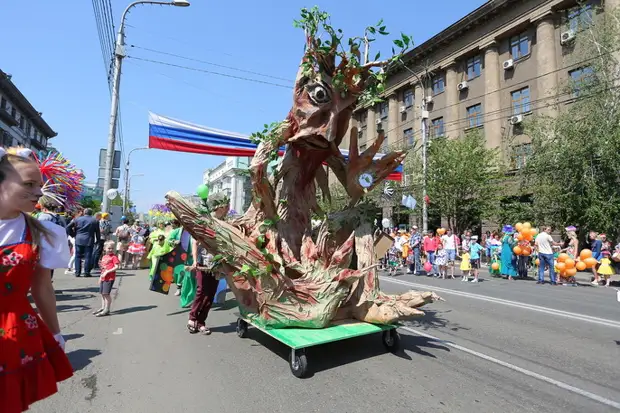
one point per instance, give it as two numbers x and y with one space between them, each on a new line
32 357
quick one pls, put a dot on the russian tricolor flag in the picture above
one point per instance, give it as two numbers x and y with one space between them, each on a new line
180 136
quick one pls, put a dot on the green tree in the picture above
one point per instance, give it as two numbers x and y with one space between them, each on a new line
464 180
575 167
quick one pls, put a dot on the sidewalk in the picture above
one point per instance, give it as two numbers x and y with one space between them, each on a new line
582 277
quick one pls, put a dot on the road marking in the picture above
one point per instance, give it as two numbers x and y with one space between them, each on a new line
529 373
532 307
118 332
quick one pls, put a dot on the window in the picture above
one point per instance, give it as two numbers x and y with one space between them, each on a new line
437 128
363 118
362 147
408 136
519 46
521 101
474 67
22 122
520 154
408 98
474 116
28 129
3 103
580 77
383 110
580 17
14 113
439 84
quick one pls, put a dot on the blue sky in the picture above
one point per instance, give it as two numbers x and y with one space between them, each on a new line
55 58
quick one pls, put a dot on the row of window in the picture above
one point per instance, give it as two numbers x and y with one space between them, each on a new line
27 128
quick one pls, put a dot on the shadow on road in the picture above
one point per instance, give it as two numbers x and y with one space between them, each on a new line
230 328
136 309
226 305
71 308
72 297
82 290
432 319
82 358
69 337
181 311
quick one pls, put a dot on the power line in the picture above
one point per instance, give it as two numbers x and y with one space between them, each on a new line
212 64
195 69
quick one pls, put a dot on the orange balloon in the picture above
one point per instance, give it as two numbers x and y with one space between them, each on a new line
520 236
528 236
561 266
562 257
495 266
585 253
537 262
526 251
590 262
519 226
517 250
571 272
581 265
533 231
570 263
527 225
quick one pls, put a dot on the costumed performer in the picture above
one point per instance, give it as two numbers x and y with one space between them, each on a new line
507 258
174 238
32 357
160 248
136 248
206 281
606 269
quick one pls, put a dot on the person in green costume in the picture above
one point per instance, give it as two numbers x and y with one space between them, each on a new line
159 248
186 283
160 230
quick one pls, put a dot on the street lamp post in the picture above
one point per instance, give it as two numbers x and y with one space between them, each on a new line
423 126
127 189
126 197
119 54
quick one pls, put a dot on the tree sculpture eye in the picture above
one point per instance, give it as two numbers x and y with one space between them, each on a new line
319 94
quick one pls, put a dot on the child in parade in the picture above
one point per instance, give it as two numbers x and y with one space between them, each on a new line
109 264
441 260
160 248
123 235
393 260
136 248
32 360
475 250
606 269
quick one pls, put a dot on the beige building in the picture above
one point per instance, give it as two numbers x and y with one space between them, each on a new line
20 123
490 70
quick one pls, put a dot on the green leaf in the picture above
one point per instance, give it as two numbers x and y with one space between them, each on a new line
380 23
405 38
377 56
245 268
399 43
371 29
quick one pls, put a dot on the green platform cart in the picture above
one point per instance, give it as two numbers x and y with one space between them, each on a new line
299 339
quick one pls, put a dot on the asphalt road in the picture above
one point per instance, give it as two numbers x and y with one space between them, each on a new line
496 346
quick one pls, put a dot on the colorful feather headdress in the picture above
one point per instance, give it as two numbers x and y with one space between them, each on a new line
63 183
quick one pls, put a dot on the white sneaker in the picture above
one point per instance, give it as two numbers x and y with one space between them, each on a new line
177 293
475 280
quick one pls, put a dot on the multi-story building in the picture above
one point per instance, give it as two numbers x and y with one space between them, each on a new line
496 66
231 177
20 123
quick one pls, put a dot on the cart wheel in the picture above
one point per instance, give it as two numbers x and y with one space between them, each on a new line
299 363
242 328
391 340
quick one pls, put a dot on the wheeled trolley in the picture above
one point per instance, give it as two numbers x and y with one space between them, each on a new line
298 339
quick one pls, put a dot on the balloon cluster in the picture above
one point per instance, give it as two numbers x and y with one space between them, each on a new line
568 267
441 231
525 235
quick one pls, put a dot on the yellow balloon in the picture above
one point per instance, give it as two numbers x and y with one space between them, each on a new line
527 225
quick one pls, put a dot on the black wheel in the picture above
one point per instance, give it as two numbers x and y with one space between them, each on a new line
242 328
391 340
299 363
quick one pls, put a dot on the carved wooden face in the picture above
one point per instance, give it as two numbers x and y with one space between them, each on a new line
320 113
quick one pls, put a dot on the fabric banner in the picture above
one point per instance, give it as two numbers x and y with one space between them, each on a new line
180 136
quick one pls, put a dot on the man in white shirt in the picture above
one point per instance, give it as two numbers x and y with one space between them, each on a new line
449 243
544 245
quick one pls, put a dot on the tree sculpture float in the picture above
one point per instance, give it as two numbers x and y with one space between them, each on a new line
280 275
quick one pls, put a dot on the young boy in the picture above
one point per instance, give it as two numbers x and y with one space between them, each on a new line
109 264
474 257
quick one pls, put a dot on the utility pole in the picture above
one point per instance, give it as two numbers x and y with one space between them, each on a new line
119 54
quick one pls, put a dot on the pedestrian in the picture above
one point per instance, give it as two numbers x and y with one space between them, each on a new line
415 243
475 252
206 281
544 244
123 236
507 265
430 246
450 243
136 248
48 214
32 357
441 260
109 264
105 230
606 269
87 235
596 246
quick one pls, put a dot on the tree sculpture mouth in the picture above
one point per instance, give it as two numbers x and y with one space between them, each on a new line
316 142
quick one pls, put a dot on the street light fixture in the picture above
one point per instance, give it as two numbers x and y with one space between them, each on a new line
127 187
126 197
119 54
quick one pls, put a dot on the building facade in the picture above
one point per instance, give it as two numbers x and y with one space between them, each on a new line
20 123
504 61
232 178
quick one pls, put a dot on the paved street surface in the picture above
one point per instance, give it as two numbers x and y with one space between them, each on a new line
496 346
